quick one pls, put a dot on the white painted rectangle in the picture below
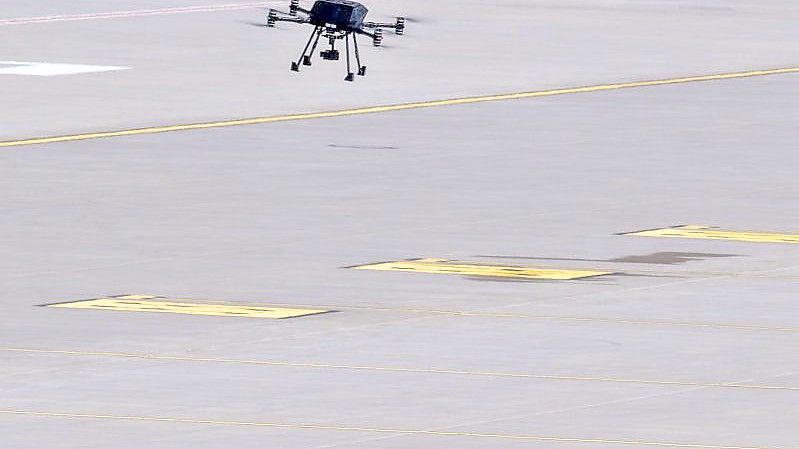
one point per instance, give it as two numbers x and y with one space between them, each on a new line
51 69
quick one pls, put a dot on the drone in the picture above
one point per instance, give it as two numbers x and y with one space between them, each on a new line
334 20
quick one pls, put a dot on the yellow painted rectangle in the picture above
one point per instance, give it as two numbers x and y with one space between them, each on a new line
443 266
706 232
145 303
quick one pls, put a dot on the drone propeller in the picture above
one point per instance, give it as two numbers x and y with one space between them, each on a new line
407 19
395 25
254 24
285 13
415 20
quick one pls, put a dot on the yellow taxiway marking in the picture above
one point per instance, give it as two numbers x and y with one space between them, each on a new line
395 431
145 303
443 266
707 232
397 107
128 355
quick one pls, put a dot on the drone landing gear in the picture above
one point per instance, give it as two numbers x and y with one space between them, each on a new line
332 54
305 57
361 68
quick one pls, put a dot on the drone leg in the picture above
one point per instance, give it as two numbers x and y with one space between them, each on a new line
295 66
350 75
361 68
306 60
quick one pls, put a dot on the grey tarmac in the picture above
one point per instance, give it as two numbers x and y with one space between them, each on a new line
689 343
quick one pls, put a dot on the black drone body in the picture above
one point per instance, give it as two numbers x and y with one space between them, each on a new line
334 20
344 14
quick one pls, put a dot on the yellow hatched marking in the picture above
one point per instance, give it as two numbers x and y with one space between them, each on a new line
396 107
443 266
139 303
706 232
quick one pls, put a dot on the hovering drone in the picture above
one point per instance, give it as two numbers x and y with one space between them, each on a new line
334 20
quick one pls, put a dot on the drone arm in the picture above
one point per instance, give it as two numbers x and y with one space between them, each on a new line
276 16
365 33
293 19
398 26
377 36
377 25
294 7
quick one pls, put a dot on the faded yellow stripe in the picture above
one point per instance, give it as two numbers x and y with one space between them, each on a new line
476 373
395 431
443 266
395 107
706 232
140 303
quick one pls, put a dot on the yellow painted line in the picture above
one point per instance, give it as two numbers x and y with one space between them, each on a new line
706 232
397 107
552 377
145 303
394 431
443 266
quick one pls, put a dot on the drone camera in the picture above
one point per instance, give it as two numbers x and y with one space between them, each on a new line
330 55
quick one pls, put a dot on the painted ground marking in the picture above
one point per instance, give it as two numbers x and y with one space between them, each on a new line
394 107
133 13
707 232
52 69
395 369
147 303
379 430
443 266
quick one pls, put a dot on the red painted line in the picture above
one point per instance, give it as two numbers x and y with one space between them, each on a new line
133 13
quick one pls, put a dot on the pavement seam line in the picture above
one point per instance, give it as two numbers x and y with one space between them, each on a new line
740 385
394 107
376 430
479 314
746 327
